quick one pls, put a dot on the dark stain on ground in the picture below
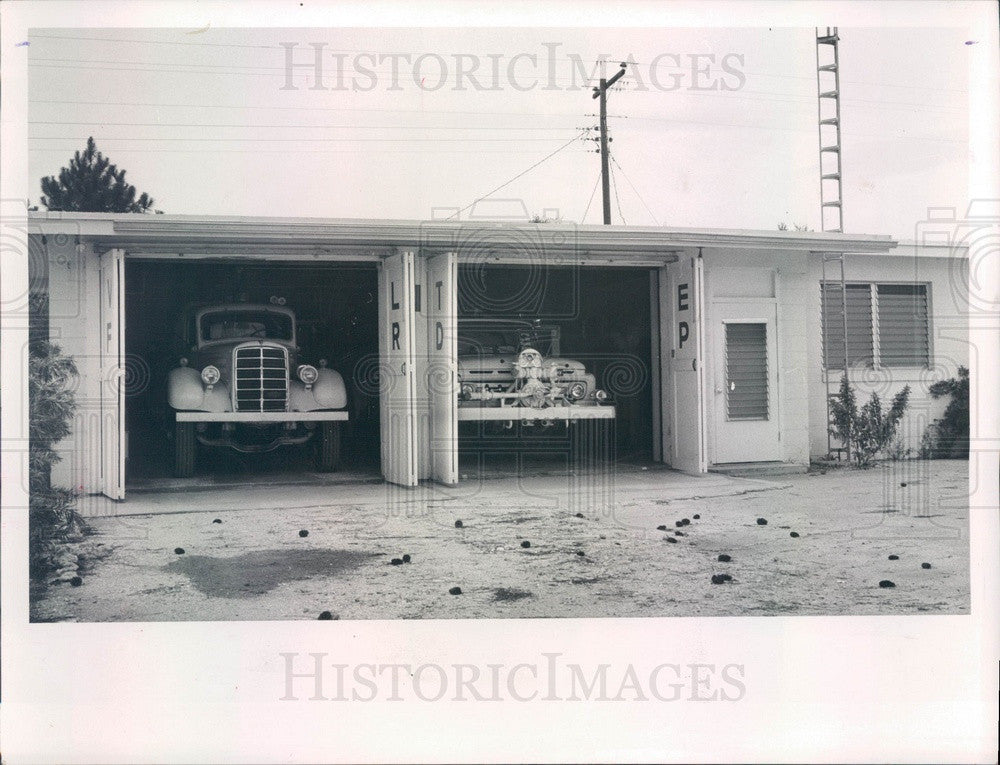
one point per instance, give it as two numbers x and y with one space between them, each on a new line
510 593
255 573
518 518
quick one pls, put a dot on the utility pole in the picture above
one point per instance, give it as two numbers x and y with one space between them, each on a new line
602 93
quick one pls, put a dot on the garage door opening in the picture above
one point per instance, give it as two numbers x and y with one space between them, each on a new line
598 322
335 309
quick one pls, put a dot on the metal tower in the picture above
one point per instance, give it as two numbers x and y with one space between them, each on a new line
831 192
828 102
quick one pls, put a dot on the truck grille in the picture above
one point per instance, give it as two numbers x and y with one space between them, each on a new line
261 379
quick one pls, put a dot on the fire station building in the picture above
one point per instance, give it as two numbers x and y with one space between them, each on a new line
716 347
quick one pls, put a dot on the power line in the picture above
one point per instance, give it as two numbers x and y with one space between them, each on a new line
614 184
615 162
36 36
119 62
307 108
442 77
299 140
296 127
406 111
661 65
592 193
522 173
768 96
445 76
709 123
298 71
366 152
42 36
718 68
760 96
811 129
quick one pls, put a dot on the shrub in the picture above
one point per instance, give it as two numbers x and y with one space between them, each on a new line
869 430
948 437
51 405
898 451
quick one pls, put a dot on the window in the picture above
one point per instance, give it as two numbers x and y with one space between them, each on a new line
902 325
887 325
240 325
860 337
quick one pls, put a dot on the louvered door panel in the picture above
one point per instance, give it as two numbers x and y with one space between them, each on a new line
746 371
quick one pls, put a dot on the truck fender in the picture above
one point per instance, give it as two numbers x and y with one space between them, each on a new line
186 392
217 399
328 392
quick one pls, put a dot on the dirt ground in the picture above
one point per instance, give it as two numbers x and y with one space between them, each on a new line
595 549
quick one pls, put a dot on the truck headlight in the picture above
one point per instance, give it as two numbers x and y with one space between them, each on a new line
467 391
577 391
210 375
600 395
307 373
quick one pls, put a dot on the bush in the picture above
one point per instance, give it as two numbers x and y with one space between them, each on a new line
948 437
867 431
898 451
51 405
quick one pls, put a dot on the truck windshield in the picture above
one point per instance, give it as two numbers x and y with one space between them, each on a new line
479 342
235 325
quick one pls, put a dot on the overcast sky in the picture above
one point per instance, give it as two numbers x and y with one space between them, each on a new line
711 127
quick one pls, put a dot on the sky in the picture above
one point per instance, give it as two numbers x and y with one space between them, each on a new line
710 127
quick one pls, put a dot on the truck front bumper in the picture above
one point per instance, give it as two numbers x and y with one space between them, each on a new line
555 413
259 417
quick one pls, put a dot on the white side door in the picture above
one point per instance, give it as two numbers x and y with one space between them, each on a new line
687 366
746 382
112 364
397 369
440 299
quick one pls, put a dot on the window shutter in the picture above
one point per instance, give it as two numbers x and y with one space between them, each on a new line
902 325
860 346
746 371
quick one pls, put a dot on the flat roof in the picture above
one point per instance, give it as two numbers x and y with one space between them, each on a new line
162 233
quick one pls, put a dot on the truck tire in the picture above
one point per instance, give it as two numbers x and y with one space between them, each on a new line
328 449
185 448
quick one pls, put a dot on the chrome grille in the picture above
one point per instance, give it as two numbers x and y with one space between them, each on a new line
261 379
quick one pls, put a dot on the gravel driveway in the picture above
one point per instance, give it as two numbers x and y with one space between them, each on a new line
544 546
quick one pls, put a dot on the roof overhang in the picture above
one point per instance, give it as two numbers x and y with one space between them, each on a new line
233 235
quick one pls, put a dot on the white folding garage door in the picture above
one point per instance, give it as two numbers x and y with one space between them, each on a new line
441 308
687 361
112 344
397 369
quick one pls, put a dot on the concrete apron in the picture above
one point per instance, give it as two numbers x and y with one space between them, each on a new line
598 492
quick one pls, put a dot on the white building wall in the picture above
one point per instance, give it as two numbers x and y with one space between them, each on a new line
782 277
949 348
793 334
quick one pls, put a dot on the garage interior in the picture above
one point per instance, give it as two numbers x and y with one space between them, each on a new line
336 307
604 317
